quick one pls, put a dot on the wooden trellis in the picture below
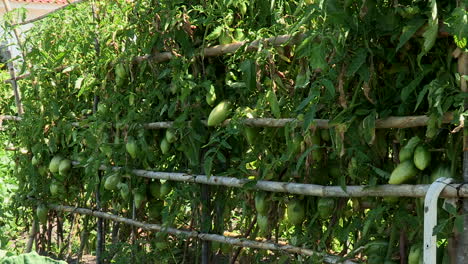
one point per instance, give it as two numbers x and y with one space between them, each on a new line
203 236
455 190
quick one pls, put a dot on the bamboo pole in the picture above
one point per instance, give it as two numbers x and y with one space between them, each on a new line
31 236
100 230
10 118
26 75
220 50
389 122
6 3
203 236
206 222
14 85
387 190
217 50
11 68
462 247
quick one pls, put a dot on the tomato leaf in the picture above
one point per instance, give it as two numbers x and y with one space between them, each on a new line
207 165
421 96
457 25
329 87
248 74
368 127
440 226
215 33
407 90
301 159
317 57
409 30
357 61
303 78
430 35
309 117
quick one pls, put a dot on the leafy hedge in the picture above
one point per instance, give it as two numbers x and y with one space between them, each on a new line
357 61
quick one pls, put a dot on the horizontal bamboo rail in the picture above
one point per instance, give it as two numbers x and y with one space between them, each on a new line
26 75
203 236
387 190
217 50
389 122
10 118
220 50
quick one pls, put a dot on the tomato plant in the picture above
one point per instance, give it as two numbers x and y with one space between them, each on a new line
351 62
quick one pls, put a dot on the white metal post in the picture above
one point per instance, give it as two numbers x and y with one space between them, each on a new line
430 219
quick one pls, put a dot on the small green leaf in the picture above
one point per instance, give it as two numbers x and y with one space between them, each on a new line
220 156
430 35
368 127
301 159
380 172
309 117
409 30
302 79
407 90
215 33
248 74
440 226
305 102
78 82
421 96
329 87
317 57
457 25
357 61
208 164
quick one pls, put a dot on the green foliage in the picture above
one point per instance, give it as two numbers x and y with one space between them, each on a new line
357 62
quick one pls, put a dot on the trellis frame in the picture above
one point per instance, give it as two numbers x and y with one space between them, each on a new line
398 122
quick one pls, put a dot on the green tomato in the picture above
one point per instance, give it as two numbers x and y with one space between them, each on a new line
262 222
296 212
166 188
112 182
155 189
219 113
170 136
56 188
414 254
132 148
139 197
165 146
124 190
55 163
325 207
154 209
64 167
41 213
260 203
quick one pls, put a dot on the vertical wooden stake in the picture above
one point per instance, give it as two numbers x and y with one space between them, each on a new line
462 241
32 235
14 84
100 247
99 231
83 237
11 67
6 3
205 222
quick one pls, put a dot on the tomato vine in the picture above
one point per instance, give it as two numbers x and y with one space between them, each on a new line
356 62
